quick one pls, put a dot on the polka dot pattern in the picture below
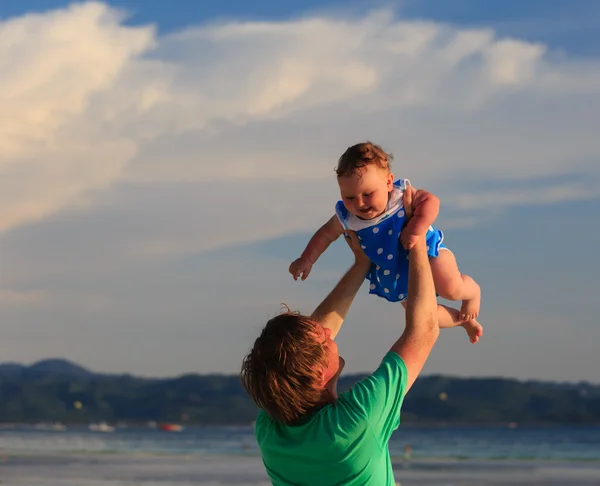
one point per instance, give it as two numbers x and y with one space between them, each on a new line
388 277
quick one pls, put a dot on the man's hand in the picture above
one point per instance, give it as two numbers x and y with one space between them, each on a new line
408 200
354 243
300 267
408 240
421 209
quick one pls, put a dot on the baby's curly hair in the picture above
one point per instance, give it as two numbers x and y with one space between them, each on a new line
361 155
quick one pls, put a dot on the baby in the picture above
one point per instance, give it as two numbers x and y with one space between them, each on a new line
389 216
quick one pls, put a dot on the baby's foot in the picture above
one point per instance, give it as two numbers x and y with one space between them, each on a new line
470 308
474 330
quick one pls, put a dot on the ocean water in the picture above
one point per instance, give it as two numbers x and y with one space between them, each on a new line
572 443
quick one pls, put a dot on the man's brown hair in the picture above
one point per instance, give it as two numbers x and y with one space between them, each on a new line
361 155
283 371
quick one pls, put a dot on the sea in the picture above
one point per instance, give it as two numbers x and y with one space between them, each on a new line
509 442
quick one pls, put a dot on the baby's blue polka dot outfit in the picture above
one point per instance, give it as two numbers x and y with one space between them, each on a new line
388 276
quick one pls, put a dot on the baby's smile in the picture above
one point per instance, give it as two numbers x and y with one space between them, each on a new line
368 213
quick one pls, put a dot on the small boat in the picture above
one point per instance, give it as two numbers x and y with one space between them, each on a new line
101 427
170 427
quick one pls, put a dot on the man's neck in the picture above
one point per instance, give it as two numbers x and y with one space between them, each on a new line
328 396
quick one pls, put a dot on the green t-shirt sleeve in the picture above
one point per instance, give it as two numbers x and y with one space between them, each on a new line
379 396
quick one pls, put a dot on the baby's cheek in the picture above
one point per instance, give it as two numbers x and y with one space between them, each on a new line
349 207
382 203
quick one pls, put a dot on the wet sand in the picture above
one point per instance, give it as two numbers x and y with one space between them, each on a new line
186 470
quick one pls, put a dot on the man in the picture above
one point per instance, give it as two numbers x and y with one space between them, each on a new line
307 434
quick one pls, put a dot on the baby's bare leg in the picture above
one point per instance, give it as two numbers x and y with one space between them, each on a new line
450 317
452 285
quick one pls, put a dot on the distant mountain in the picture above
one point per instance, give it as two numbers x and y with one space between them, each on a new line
58 390
59 367
11 367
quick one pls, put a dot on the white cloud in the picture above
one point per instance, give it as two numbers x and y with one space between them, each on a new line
52 64
12 298
488 200
512 63
86 93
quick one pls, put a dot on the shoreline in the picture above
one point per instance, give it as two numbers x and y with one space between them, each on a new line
396 458
404 423
152 469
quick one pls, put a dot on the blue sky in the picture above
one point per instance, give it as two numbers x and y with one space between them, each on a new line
161 170
572 26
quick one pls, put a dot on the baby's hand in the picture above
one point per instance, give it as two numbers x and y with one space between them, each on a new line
408 240
300 267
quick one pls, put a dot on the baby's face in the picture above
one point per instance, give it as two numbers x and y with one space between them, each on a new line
365 193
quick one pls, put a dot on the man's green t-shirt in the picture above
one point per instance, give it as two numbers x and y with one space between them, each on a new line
345 443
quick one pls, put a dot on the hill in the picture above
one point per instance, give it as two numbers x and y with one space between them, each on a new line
57 390
59 367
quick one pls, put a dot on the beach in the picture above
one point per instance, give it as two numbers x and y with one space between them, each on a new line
132 469
220 455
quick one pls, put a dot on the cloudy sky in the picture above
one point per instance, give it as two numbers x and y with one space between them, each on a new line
161 163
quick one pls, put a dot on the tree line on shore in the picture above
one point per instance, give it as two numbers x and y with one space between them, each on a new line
60 391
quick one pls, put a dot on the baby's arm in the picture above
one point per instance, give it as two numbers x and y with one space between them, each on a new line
421 208
317 245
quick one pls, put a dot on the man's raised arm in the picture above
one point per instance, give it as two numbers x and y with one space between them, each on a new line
332 311
422 328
